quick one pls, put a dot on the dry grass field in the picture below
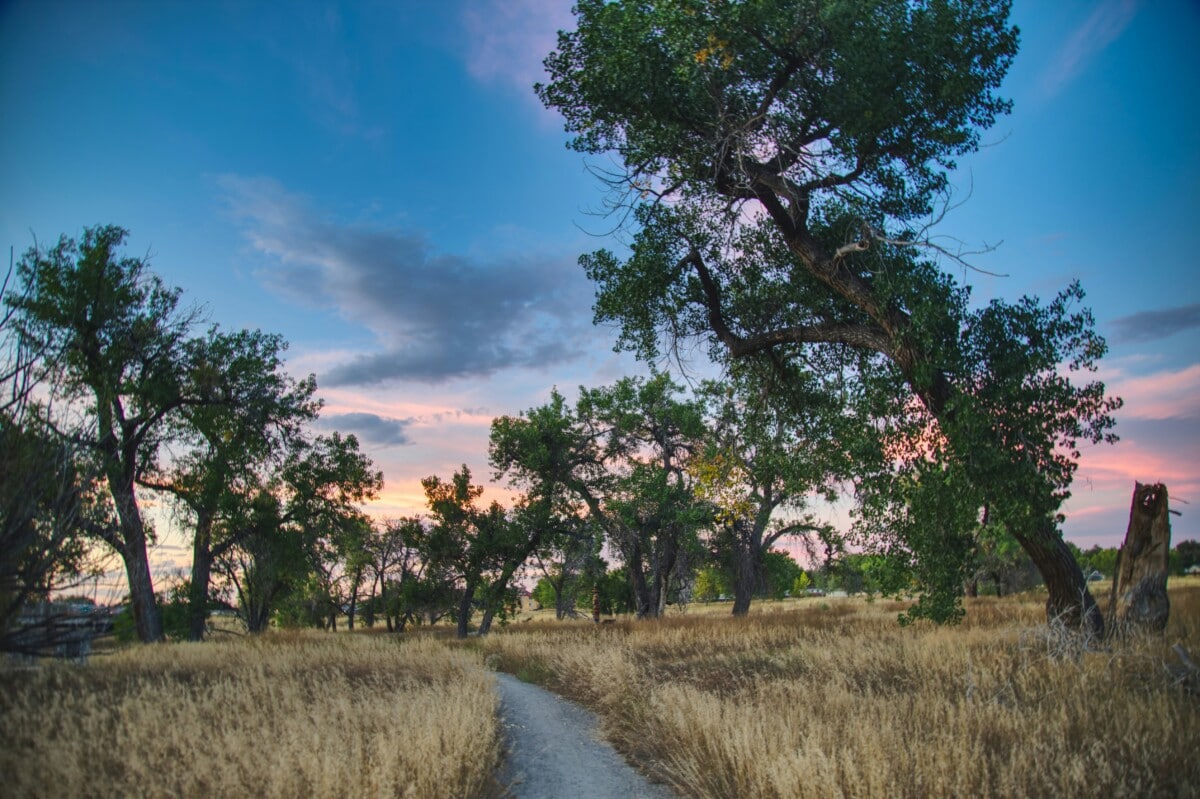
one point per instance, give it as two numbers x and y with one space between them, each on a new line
831 698
283 715
816 697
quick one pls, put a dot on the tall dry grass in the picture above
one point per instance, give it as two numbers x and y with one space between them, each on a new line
837 700
283 715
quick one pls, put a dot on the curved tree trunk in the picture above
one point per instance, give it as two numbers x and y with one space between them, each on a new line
1069 601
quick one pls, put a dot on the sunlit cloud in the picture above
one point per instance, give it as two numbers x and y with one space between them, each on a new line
435 316
1103 27
1160 395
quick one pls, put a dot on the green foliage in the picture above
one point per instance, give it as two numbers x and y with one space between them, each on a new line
543 593
1187 554
780 573
801 584
620 455
1098 558
775 157
112 340
893 90
711 584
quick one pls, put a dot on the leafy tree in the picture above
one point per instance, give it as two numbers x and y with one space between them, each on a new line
294 529
252 413
801 584
780 572
711 583
1097 558
771 444
114 338
777 158
390 561
50 494
482 547
623 452
615 590
1188 554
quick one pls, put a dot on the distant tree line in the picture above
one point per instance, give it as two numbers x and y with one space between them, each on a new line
645 494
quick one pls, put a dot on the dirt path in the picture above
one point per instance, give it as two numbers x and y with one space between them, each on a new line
555 750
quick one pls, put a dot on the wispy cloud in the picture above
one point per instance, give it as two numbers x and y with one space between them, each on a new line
436 316
1151 325
1161 395
1103 27
509 38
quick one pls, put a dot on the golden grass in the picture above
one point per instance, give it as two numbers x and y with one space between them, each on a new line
282 715
836 700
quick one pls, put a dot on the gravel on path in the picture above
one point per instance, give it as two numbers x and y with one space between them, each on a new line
555 750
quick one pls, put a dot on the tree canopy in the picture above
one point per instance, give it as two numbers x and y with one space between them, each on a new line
780 162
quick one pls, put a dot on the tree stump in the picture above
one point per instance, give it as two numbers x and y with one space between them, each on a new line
1139 592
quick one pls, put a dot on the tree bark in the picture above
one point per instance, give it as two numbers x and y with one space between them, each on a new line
1140 584
198 590
1069 601
202 558
745 576
464 608
147 619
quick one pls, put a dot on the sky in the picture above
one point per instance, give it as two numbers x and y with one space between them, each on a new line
378 182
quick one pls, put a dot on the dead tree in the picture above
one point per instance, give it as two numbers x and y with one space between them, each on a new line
1139 593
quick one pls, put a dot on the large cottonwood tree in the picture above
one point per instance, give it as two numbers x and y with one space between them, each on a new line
113 342
778 158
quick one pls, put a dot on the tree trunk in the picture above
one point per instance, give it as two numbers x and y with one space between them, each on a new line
1140 582
745 577
198 591
641 590
667 556
1069 602
146 616
464 608
485 624
202 558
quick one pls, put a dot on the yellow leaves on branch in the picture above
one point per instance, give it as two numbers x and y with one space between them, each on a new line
721 480
717 50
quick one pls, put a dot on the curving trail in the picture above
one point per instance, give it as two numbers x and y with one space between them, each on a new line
555 752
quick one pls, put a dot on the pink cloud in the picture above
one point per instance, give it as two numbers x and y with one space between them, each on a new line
1161 395
509 38
1103 27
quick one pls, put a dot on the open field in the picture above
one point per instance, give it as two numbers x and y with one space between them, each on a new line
835 699
284 715
819 697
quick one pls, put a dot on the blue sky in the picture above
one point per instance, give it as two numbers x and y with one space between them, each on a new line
377 182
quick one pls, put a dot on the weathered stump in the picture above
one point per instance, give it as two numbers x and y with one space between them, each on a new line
1139 591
